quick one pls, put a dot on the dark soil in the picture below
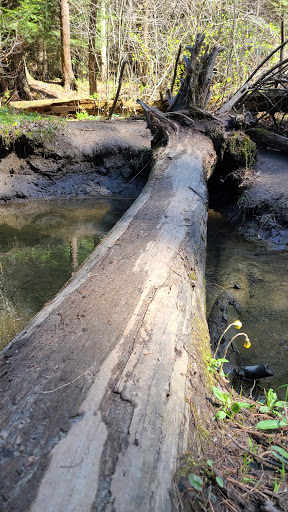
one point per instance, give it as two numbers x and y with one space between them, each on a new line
95 157
261 211
240 472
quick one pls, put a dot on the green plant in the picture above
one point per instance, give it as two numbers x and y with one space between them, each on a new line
271 424
272 404
228 407
245 468
84 116
213 365
236 324
283 456
247 344
196 481
15 123
95 96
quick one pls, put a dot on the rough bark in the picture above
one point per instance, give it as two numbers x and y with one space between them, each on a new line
265 138
195 88
21 82
92 61
3 81
68 76
98 410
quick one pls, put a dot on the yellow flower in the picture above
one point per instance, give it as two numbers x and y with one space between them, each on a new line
237 324
247 343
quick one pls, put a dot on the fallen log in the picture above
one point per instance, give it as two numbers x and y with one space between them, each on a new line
95 391
265 138
70 107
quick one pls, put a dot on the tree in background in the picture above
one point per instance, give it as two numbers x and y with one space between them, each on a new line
68 75
147 32
92 58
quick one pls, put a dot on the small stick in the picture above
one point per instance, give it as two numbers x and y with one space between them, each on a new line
63 385
125 61
175 69
254 455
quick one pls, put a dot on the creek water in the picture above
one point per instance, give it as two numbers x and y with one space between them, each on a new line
41 244
261 291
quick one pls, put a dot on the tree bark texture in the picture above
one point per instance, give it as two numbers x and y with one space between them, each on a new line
97 390
68 77
21 82
92 61
265 138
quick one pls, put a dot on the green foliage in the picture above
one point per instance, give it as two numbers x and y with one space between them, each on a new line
214 364
84 116
271 424
196 481
15 123
279 453
242 149
228 407
272 404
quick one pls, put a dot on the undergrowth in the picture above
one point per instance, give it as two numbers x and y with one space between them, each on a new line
15 123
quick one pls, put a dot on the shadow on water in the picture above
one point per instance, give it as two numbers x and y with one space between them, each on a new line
41 244
261 276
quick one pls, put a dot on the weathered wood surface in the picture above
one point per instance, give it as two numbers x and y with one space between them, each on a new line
265 138
95 391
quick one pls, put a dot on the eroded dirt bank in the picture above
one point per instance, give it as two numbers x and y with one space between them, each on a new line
84 157
261 211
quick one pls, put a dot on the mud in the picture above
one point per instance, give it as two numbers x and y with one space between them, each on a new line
85 157
261 211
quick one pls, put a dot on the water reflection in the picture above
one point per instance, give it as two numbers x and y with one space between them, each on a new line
262 294
41 244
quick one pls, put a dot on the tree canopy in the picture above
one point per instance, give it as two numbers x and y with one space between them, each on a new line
146 32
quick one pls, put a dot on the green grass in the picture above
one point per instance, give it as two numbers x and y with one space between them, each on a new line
15 123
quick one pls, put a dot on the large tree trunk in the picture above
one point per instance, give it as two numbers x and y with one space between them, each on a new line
92 61
68 76
96 390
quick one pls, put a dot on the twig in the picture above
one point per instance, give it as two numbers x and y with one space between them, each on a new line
251 390
265 60
118 89
74 465
63 385
175 69
254 455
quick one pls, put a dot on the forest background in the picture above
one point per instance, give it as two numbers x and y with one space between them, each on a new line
93 37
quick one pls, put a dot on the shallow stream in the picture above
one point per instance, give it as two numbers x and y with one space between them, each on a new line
258 280
41 244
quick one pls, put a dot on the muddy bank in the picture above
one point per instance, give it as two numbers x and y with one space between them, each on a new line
261 211
84 157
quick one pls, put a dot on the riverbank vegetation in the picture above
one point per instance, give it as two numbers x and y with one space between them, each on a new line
148 35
